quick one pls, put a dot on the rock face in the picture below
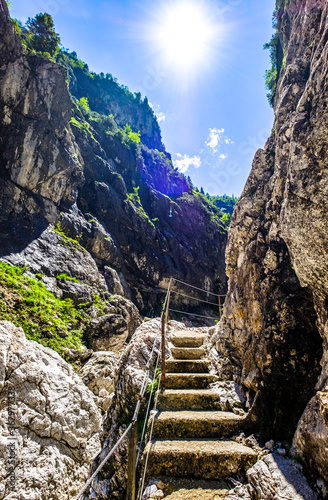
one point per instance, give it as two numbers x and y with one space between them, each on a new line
273 478
54 422
64 166
275 321
99 372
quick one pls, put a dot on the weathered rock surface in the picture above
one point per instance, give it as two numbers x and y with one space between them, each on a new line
112 331
274 328
110 196
47 164
129 378
274 478
311 437
99 372
56 420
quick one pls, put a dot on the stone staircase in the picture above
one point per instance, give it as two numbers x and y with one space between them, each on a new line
191 432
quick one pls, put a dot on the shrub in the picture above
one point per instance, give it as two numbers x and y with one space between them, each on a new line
84 103
134 136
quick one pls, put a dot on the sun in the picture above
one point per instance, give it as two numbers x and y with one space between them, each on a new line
185 34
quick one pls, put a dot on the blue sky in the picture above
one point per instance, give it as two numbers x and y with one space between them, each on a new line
210 101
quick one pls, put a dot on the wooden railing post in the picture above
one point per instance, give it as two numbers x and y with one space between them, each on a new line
163 351
168 302
132 458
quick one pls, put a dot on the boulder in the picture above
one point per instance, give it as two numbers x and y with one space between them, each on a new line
78 292
99 372
277 478
311 437
107 333
273 478
113 281
54 424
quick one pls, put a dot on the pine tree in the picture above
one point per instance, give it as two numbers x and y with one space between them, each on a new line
41 34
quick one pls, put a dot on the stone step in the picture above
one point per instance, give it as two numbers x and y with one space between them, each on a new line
188 352
186 366
186 339
188 399
202 458
189 380
196 424
191 489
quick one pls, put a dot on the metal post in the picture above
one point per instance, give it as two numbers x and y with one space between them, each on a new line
168 301
220 306
132 457
163 351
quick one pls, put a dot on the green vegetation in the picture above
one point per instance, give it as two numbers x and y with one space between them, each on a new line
83 126
276 53
65 277
225 204
134 198
153 385
84 103
134 136
66 240
39 36
52 322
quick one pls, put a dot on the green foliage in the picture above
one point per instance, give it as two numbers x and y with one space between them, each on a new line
65 277
226 219
84 103
134 198
41 36
66 240
18 26
276 53
83 126
51 321
134 136
153 385
225 204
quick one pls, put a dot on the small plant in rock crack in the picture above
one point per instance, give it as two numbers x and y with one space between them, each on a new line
153 385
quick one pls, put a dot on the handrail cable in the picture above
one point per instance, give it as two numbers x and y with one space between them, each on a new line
135 416
88 483
192 314
149 440
201 289
147 413
195 298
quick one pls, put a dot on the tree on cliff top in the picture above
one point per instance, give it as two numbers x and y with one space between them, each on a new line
41 34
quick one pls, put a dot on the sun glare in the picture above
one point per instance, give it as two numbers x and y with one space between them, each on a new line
185 34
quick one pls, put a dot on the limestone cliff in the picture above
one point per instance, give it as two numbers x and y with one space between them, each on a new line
275 321
53 425
75 171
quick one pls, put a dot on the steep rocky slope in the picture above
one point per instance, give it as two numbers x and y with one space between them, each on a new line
66 166
275 321
48 418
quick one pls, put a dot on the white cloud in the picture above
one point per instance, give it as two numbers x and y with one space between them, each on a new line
161 117
216 138
223 157
184 162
